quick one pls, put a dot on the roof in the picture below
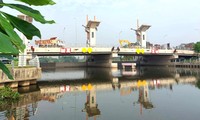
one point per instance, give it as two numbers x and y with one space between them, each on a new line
93 24
144 27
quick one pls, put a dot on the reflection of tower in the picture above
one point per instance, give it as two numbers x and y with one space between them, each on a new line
91 107
144 98
91 29
115 83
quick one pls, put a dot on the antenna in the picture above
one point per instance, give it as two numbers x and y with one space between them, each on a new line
138 23
86 19
94 18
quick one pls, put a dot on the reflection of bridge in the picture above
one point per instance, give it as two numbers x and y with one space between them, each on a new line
54 89
51 91
25 107
51 87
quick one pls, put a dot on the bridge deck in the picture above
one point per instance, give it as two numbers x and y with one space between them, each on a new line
93 51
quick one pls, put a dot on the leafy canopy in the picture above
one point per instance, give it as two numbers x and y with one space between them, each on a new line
197 47
10 42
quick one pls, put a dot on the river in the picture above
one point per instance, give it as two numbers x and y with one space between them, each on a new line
147 93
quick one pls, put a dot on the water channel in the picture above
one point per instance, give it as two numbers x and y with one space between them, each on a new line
146 93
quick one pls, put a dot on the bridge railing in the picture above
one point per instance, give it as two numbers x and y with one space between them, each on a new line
109 49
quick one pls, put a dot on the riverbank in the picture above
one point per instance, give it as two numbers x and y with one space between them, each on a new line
23 76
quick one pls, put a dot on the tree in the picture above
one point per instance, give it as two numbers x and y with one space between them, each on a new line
197 47
10 42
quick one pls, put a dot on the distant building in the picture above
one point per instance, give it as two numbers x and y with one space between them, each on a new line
165 46
185 46
157 46
149 45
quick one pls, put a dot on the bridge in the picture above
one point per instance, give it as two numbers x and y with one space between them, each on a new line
106 50
103 56
99 55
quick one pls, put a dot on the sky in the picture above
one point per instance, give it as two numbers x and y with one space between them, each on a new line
172 21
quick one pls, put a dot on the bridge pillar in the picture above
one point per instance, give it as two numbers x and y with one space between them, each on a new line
99 61
102 60
114 65
155 60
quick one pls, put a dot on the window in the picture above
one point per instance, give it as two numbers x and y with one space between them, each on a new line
92 34
92 99
143 37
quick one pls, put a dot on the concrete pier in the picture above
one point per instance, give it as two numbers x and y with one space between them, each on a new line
22 77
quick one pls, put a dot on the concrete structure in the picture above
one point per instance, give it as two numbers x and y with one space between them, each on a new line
103 57
91 29
23 55
22 77
141 34
126 65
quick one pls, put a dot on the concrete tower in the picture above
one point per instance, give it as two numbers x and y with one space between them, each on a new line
141 34
91 29
22 56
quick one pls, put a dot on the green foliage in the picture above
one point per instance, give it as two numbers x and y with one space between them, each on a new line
38 2
6 70
7 93
127 58
68 59
17 22
197 47
10 42
198 84
6 41
61 59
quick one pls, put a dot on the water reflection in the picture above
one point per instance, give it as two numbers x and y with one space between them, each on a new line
91 106
25 107
98 91
144 98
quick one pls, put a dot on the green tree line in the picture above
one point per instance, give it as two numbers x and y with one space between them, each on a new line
61 59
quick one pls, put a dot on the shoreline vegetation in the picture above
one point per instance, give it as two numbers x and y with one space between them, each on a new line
7 95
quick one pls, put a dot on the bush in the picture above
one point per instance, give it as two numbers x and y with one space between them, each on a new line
7 93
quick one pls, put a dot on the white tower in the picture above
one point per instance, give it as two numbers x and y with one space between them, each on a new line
141 34
91 29
22 56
